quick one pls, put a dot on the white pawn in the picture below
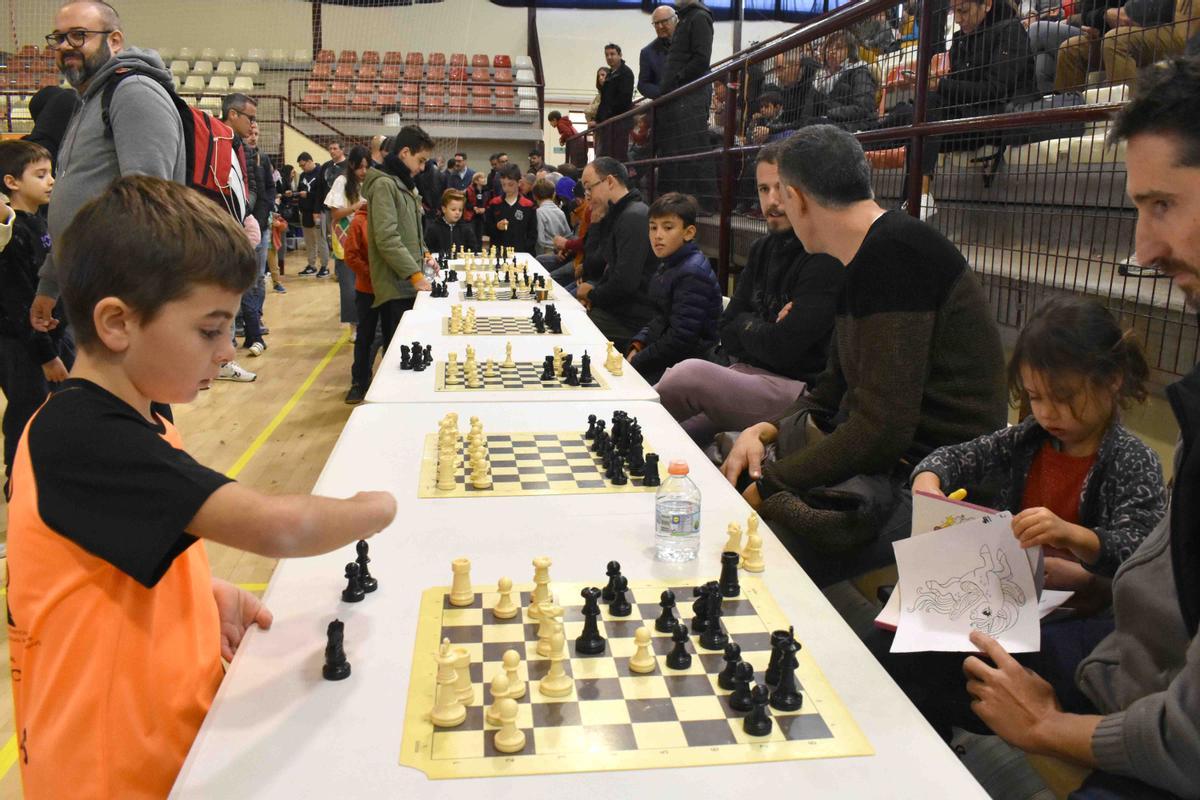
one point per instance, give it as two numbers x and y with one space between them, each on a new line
510 738
541 585
508 359
511 660
447 710
481 474
499 692
452 368
505 607
734 543
643 660
557 682
461 593
752 560
462 668
472 371
489 369
447 469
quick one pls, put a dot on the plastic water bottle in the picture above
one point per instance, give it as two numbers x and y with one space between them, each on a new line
677 516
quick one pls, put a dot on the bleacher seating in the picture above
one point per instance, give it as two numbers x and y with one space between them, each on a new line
210 54
368 72
458 60
301 58
278 58
526 76
370 57
255 55
243 84
348 57
480 60
226 68
167 54
345 71
249 69
202 67
232 54
186 54
415 58
393 57
437 59
325 57
391 72
502 62
219 83
322 71
193 85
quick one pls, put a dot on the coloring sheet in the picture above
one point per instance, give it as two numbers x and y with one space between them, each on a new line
971 577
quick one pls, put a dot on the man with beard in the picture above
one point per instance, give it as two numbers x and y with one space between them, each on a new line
775 330
616 97
144 135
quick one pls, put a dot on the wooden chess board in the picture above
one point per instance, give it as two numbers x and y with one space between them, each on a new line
504 291
614 718
526 375
500 326
524 463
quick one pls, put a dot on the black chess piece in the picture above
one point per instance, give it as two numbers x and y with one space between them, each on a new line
758 721
353 593
590 642
778 638
666 621
591 431
427 356
714 636
585 370
619 478
537 315
405 357
336 666
610 460
785 696
637 463
548 369
613 571
572 375
539 326
700 608
620 606
469 292
650 475
733 657
679 657
365 579
743 674
598 442
729 575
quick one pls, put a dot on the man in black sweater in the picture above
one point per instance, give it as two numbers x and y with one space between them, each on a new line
916 363
618 302
775 330
616 97
683 123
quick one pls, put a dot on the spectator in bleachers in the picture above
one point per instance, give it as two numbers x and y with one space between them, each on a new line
618 301
511 218
311 195
395 241
589 113
577 149
652 62
684 290
843 91
344 198
448 229
1129 35
143 134
498 161
551 221
916 363
51 108
477 198
874 36
1049 26
681 123
774 333
616 97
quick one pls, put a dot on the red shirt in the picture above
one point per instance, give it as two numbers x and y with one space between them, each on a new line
565 129
1055 481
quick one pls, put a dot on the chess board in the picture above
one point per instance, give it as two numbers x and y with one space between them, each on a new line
545 462
526 375
614 718
504 291
499 326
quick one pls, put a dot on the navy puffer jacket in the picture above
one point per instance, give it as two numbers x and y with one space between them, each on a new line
687 302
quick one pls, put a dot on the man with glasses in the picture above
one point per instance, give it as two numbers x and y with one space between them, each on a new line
653 60
143 134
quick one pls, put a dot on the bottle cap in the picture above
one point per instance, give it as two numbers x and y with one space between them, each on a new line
678 468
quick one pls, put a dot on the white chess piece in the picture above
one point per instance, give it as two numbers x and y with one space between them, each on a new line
752 560
452 368
548 615
557 682
541 585
447 710
462 684
643 660
481 473
447 468
734 543
510 738
461 593
508 359
511 660
489 368
499 692
505 607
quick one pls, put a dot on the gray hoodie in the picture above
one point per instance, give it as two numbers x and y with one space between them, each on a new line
147 140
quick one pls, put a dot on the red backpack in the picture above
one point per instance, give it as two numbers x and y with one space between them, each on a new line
207 140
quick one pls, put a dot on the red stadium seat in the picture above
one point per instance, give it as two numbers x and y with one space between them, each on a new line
458 90
319 87
338 101
368 71
28 51
437 59
322 71
458 74
415 58
410 88
506 105
49 79
391 72
340 87
370 57
312 100
435 73
458 60
364 87
348 57
481 74
388 92
362 102
344 71
480 60
26 82
481 105
458 105
479 90
393 57
409 102
434 103
325 57
414 72
505 91
502 62
503 75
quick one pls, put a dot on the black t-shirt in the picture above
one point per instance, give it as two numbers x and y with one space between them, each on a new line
522 223
110 481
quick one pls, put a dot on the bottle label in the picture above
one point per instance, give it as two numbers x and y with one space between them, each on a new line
678 524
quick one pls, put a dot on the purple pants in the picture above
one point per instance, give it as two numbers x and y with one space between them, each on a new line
707 398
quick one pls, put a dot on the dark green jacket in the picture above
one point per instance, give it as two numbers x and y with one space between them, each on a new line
395 241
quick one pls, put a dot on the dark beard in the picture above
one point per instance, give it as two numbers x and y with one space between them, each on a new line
79 75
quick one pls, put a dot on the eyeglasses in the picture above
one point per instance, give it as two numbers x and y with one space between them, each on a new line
250 117
76 38
662 23
588 189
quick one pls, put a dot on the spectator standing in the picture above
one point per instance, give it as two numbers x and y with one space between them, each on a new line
511 218
344 198
652 62
309 190
551 221
457 175
238 112
577 148
356 248
684 121
262 175
430 185
377 145
476 204
589 113
616 97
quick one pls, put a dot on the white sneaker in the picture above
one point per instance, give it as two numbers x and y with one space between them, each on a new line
230 371
257 349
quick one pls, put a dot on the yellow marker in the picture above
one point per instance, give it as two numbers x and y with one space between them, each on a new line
957 494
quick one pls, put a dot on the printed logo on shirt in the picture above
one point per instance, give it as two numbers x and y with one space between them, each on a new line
519 215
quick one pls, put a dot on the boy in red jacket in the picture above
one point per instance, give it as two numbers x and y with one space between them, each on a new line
355 250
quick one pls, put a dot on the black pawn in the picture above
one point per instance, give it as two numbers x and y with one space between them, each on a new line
778 639
405 357
637 464
733 657
613 571
548 369
650 477
572 376
700 609
591 431
336 666
619 478
743 673
666 621
365 579
428 355
353 593
590 642
469 292
729 575
714 637
679 657
537 315
620 607
758 721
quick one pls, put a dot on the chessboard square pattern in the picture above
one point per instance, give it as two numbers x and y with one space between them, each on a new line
500 326
525 376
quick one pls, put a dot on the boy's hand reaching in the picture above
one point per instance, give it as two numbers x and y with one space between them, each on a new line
41 313
55 371
238 610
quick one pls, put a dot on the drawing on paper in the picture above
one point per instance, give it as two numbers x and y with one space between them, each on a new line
988 595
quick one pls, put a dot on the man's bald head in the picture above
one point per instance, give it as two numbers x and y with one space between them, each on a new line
663 19
106 16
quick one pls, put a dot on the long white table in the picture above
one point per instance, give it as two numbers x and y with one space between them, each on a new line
278 730
394 385
427 325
